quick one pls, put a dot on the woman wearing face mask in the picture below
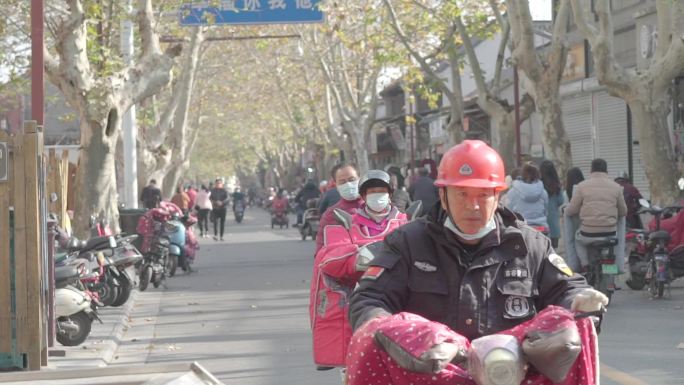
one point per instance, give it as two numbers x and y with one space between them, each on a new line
347 182
341 262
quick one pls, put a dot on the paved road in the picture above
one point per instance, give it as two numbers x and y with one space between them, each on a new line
243 315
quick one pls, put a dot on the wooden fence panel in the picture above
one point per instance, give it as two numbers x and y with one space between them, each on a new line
33 139
5 262
20 260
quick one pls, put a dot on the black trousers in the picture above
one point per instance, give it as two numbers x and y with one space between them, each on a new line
219 220
203 220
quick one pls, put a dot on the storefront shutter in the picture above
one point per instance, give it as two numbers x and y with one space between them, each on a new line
578 126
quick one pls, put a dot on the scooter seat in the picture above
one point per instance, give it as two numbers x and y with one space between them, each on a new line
65 275
608 241
94 243
660 235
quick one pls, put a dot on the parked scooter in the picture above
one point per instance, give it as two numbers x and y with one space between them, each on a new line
157 245
174 230
74 308
123 262
650 262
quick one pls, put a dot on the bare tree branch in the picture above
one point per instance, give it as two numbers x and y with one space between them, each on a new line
557 53
422 62
671 63
505 39
664 25
472 58
608 70
524 51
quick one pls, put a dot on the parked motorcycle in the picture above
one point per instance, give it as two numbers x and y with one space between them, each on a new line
156 244
650 262
123 262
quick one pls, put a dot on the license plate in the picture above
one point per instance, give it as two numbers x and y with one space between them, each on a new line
609 269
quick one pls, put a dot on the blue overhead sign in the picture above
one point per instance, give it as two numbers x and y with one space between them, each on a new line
232 12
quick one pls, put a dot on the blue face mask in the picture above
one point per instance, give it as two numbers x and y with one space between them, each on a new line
349 191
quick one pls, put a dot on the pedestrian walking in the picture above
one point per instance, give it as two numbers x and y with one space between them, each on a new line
423 189
554 189
203 207
219 203
632 196
192 194
572 179
151 195
181 199
528 198
400 197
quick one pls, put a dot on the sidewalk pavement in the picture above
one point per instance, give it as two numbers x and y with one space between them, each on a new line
100 347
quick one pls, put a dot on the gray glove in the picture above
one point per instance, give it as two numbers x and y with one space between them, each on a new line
433 360
553 354
366 255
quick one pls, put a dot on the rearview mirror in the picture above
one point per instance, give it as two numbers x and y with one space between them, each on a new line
680 183
644 203
415 210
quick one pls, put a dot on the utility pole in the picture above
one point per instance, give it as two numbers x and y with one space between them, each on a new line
130 130
516 97
37 78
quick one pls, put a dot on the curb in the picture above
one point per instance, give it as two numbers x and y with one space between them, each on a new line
120 329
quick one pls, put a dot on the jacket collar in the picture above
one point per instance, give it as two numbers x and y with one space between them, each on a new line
507 233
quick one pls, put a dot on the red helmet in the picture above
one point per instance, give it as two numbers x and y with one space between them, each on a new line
472 163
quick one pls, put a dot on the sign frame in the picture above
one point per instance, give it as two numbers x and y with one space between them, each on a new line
236 12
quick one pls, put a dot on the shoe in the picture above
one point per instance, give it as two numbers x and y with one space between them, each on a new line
221 239
216 238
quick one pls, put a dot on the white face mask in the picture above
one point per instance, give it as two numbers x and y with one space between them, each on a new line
378 202
349 191
484 230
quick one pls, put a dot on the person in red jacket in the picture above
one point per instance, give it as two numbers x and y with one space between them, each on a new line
347 182
673 225
341 262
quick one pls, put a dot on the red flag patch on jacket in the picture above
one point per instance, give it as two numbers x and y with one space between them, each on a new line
373 273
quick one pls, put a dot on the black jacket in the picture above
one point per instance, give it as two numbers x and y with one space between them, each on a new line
329 199
310 191
151 196
505 280
423 189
